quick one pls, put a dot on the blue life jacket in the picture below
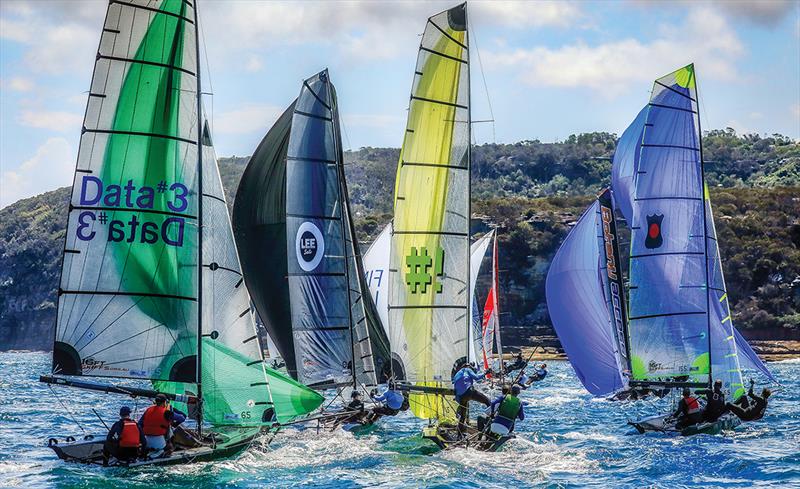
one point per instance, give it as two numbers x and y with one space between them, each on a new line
463 381
394 399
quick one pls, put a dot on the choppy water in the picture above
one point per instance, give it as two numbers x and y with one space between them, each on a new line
568 439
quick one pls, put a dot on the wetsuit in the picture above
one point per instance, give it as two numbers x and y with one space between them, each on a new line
715 405
463 382
754 411
392 403
688 412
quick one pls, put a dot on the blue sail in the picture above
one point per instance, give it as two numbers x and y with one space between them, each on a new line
668 322
578 309
748 358
626 164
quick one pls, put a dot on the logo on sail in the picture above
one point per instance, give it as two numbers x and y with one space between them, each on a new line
654 238
309 246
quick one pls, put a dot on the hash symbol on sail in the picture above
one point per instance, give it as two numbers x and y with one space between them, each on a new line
654 238
418 264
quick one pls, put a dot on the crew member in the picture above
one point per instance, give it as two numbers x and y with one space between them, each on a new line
688 412
155 424
124 440
715 402
506 409
539 373
465 391
391 402
755 409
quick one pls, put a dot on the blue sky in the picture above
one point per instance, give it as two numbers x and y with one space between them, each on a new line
551 68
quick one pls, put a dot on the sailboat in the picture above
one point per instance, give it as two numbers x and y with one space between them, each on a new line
376 269
490 324
429 273
677 331
301 260
151 287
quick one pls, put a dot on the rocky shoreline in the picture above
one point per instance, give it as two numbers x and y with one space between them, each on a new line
547 348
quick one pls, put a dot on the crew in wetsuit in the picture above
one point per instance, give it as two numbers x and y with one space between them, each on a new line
124 440
715 402
688 412
506 409
539 373
756 408
392 402
519 363
465 391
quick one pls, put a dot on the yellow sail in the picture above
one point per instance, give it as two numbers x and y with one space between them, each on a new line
429 296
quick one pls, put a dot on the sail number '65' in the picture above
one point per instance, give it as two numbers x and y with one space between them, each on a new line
171 198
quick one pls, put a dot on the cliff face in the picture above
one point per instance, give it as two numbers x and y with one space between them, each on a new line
534 192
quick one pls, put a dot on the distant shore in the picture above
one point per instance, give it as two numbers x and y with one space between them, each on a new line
768 350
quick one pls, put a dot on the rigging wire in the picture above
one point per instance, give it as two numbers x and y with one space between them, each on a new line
66 408
207 76
485 86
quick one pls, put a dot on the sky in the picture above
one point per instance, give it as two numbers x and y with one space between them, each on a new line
540 69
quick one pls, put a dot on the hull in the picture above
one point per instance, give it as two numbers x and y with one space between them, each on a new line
665 424
447 437
90 451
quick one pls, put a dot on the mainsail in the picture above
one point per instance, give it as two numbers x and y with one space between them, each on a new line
376 270
429 299
151 285
680 327
303 267
576 300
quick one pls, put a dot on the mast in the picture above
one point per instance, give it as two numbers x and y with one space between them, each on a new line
469 178
705 226
345 221
199 229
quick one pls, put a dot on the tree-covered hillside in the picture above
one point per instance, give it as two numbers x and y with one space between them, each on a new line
533 191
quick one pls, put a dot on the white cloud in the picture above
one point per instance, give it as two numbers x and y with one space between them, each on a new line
53 120
246 120
372 120
19 84
361 30
254 64
613 67
526 14
50 167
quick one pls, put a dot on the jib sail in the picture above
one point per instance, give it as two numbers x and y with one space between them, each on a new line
577 302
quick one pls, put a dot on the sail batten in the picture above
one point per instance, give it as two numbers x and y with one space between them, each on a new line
150 284
429 296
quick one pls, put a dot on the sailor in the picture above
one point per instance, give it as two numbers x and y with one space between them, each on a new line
391 401
506 409
539 372
124 439
157 422
518 364
688 412
715 402
356 404
465 391
755 409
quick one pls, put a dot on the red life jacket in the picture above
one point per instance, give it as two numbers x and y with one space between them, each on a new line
692 406
154 423
129 438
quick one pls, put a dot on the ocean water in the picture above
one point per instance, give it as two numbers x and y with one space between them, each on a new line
568 439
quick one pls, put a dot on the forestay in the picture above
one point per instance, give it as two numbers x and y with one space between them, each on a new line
429 298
